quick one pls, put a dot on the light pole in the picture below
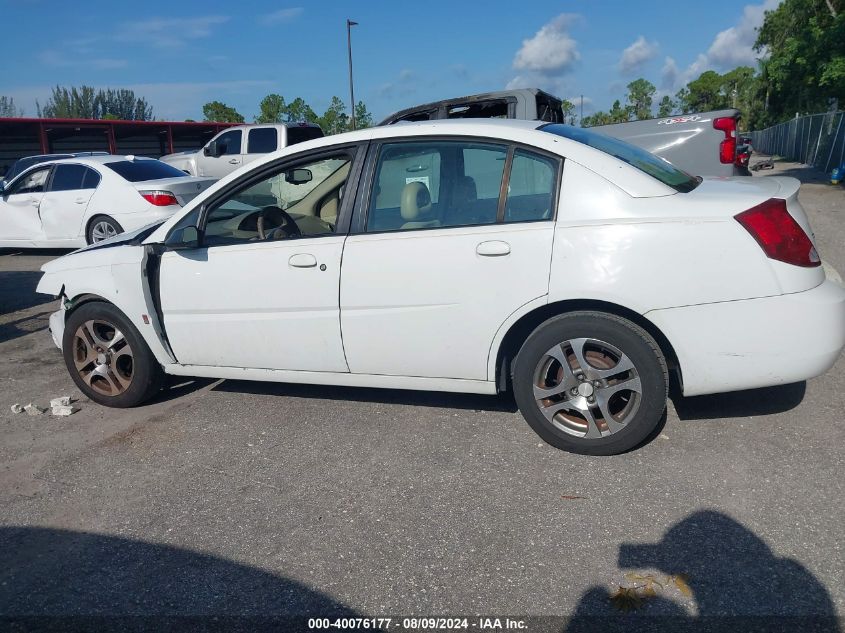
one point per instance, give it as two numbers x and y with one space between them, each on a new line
349 25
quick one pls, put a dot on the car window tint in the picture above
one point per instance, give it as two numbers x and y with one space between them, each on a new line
647 162
421 185
67 178
33 182
308 193
298 134
530 188
91 179
262 140
141 170
229 143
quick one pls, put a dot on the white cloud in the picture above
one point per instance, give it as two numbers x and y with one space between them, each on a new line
404 86
637 55
734 46
282 16
169 32
730 48
551 50
669 73
53 58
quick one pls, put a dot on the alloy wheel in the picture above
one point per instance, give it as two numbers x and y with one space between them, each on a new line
103 357
587 388
102 230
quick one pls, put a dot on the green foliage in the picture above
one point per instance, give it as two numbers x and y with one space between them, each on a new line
363 118
335 119
273 109
618 114
299 111
218 111
87 103
640 97
666 106
805 70
8 108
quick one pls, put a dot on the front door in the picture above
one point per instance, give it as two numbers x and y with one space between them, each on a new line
228 155
262 289
19 219
458 237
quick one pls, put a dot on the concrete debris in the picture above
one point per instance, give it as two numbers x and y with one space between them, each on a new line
65 409
61 402
17 408
34 409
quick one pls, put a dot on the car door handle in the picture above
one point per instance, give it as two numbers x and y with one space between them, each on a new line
493 248
81 200
234 161
302 260
34 202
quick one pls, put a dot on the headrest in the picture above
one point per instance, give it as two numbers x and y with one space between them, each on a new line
416 200
465 189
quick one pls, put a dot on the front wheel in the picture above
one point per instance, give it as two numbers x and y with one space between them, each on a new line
591 383
108 358
102 227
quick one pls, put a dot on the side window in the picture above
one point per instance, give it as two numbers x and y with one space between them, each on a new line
229 143
435 184
67 178
296 200
530 188
262 140
91 179
34 182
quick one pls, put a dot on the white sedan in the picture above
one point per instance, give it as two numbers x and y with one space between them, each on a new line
470 256
77 201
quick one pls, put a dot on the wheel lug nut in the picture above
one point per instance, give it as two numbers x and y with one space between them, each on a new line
597 383
574 392
591 399
580 376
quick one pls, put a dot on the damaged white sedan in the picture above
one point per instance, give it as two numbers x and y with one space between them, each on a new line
468 256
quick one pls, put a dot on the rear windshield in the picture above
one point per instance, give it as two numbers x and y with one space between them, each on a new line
142 170
299 134
654 166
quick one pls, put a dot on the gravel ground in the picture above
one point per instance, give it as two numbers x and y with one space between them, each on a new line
241 498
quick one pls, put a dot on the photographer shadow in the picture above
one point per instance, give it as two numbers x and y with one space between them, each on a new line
737 584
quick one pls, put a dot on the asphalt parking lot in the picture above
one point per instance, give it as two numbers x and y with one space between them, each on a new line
241 498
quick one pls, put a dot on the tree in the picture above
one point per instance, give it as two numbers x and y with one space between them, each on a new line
335 120
666 106
220 112
273 109
8 108
597 118
87 103
363 118
640 97
299 111
805 70
617 113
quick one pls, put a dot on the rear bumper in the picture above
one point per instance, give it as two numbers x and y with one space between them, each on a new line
755 343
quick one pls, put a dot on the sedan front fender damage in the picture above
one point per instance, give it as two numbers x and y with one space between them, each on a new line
120 279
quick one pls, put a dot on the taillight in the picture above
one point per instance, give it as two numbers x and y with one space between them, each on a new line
727 148
159 198
778 234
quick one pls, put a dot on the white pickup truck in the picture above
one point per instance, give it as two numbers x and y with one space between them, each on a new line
236 146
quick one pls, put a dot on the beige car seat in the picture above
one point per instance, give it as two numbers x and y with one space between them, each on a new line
415 205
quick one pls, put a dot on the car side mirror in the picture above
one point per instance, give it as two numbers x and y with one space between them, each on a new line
298 176
212 149
183 238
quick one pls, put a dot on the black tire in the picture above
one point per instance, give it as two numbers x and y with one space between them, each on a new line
645 408
130 377
101 220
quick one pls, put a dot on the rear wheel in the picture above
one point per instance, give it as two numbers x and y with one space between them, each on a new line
102 227
107 357
591 383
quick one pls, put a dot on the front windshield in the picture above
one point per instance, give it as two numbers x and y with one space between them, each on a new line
647 162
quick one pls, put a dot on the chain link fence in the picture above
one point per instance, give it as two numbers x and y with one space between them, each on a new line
815 139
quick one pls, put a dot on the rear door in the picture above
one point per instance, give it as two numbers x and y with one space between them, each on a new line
64 203
19 219
453 237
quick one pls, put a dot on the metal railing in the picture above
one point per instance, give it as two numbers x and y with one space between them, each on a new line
815 139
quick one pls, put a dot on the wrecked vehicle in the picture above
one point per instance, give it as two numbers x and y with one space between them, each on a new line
702 144
472 256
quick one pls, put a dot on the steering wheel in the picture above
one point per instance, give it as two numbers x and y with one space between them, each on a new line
280 220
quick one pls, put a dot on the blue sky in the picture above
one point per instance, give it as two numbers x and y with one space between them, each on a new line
182 54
